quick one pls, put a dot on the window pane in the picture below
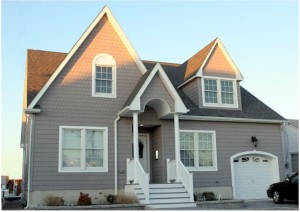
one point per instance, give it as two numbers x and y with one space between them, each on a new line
71 138
187 157
227 92
205 158
205 151
71 158
210 85
103 79
187 148
294 162
94 139
94 158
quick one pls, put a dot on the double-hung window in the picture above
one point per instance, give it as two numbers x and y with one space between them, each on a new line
219 93
104 76
83 149
198 150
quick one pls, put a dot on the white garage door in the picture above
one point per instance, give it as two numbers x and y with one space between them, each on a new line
253 174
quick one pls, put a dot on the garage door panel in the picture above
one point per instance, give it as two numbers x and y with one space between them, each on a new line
253 174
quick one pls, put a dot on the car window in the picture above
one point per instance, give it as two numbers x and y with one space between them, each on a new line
294 179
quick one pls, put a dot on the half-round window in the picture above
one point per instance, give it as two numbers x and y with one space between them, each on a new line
104 76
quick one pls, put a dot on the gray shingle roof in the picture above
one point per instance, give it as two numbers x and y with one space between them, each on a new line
42 64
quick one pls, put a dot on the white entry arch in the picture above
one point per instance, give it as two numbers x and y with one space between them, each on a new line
273 163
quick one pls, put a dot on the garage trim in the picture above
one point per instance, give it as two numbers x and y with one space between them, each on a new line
275 165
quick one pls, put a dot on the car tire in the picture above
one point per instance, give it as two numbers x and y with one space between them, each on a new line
277 198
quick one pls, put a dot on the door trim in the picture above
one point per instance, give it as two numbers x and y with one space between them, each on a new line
275 166
148 147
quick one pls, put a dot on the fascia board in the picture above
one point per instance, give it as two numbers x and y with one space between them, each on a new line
229 119
119 31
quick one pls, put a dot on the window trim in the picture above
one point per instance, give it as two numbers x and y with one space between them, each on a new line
219 93
196 149
106 61
83 168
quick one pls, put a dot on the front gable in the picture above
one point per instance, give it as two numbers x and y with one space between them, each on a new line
156 90
104 35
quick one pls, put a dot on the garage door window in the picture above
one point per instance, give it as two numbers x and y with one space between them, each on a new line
198 150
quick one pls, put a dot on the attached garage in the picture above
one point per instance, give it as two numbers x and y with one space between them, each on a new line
252 173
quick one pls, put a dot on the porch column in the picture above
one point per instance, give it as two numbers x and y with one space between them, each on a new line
135 137
177 144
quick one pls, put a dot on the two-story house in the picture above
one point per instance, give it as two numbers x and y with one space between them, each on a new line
100 119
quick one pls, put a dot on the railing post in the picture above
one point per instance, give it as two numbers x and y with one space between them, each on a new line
191 190
168 170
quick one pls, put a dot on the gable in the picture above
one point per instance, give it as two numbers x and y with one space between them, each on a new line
105 13
217 65
157 90
72 88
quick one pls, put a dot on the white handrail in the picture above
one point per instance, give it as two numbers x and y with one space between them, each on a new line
136 174
143 180
171 170
186 178
130 171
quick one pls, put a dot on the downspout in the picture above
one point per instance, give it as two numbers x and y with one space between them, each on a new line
116 155
29 161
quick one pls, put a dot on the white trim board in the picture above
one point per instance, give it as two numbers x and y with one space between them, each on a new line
229 119
105 11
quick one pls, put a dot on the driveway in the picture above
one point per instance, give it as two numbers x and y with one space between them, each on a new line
268 204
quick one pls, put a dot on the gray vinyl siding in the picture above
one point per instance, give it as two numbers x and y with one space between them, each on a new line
68 102
233 138
157 90
192 90
157 170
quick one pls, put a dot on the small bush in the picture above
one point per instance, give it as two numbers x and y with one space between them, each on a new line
51 200
209 196
111 198
122 198
84 199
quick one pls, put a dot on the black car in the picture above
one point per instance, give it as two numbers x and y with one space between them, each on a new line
287 189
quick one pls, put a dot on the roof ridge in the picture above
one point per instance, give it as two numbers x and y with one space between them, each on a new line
162 63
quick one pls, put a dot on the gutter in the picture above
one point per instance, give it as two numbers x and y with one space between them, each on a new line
226 119
32 111
116 155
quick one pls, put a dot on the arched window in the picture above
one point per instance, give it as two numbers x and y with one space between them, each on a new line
104 76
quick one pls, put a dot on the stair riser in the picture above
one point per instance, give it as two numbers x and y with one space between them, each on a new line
180 205
166 190
170 195
169 185
173 200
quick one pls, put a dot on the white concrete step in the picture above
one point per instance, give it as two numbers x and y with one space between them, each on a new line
169 200
169 195
166 185
172 205
166 190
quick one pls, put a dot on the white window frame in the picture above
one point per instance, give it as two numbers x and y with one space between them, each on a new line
196 149
83 168
104 60
219 91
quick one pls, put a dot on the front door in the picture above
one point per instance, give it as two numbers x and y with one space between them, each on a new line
144 151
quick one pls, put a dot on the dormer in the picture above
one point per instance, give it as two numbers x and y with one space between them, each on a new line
211 78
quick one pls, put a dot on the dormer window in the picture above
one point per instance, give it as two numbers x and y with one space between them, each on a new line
219 92
104 76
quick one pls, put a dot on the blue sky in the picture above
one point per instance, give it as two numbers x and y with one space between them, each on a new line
260 36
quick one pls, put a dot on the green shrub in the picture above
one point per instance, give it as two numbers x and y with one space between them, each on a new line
111 198
51 200
84 199
209 196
